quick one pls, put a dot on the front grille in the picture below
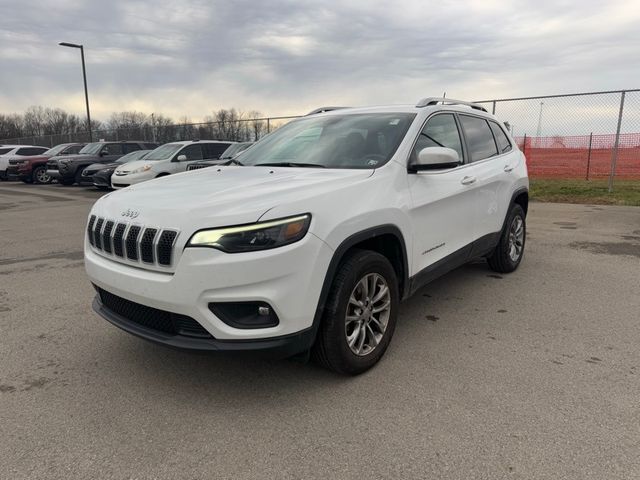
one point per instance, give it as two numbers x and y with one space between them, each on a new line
52 165
152 318
196 166
135 243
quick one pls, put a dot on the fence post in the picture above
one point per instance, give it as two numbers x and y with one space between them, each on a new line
268 125
589 155
524 145
493 110
614 153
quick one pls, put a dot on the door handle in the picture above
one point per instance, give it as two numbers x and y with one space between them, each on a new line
468 180
508 168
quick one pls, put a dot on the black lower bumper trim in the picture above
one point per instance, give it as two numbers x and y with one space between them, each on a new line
275 347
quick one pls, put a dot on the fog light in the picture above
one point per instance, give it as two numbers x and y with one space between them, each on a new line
245 315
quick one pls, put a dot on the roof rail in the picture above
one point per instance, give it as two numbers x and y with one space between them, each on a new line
430 101
324 109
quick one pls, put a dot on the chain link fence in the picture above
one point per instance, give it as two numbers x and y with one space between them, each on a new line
585 135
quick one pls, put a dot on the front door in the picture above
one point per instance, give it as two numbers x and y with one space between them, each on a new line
443 201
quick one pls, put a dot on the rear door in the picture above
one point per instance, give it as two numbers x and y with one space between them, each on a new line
442 207
489 151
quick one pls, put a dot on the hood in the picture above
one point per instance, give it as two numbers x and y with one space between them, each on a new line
102 166
77 157
232 195
129 166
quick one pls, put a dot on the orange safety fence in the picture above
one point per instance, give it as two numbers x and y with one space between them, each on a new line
582 156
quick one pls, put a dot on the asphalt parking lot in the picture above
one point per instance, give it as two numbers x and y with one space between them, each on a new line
531 375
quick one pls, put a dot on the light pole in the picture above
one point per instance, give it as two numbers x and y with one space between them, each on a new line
84 76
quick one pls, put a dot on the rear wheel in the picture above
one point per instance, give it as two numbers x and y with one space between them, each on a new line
360 314
66 181
40 175
508 253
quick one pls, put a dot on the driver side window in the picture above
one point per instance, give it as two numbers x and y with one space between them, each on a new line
440 131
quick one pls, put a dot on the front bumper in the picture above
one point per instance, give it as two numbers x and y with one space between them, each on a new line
101 180
13 173
55 174
289 279
279 347
123 181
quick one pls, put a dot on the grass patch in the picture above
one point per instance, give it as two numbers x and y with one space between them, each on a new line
625 192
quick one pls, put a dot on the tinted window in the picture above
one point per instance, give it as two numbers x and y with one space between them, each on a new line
213 150
192 152
5 150
150 146
440 131
479 138
130 147
31 151
112 149
503 142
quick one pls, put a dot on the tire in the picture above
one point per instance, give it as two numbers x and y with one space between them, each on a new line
332 349
39 175
78 175
66 181
510 249
162 175
27 180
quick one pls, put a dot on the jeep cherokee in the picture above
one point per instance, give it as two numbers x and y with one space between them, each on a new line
310 240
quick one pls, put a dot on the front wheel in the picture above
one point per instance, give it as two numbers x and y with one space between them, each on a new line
360 314
508 253
39 175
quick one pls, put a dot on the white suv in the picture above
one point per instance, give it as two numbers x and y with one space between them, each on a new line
311 239
169 158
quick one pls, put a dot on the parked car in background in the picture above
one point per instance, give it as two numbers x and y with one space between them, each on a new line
7 152
100 173
34 169
230 153
170 158
312 242
68 169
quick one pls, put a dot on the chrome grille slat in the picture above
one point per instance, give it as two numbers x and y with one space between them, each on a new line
132 243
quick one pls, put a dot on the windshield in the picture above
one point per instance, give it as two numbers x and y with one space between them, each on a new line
129 157
164 152
91 148
52 152
235 149
334 141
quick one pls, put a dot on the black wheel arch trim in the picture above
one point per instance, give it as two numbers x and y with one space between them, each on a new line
339 253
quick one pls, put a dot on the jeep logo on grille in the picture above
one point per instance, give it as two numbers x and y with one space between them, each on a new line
130 213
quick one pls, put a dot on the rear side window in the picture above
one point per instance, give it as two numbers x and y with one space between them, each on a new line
213 150
192 152
130 147
504 145
479 138
440 131
4 151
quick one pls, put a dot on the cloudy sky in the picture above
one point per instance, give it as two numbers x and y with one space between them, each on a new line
281 57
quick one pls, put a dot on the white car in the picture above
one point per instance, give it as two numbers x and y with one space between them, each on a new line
169 158
312 238
8 152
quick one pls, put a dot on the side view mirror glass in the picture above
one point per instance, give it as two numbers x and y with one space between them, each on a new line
434 158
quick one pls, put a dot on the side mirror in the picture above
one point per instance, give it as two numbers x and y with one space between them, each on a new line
181 158
435 158
103 153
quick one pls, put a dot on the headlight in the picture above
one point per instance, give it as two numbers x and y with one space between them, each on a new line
143 168
256 236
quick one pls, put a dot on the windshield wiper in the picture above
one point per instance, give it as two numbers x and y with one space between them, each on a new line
233 161
289 164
